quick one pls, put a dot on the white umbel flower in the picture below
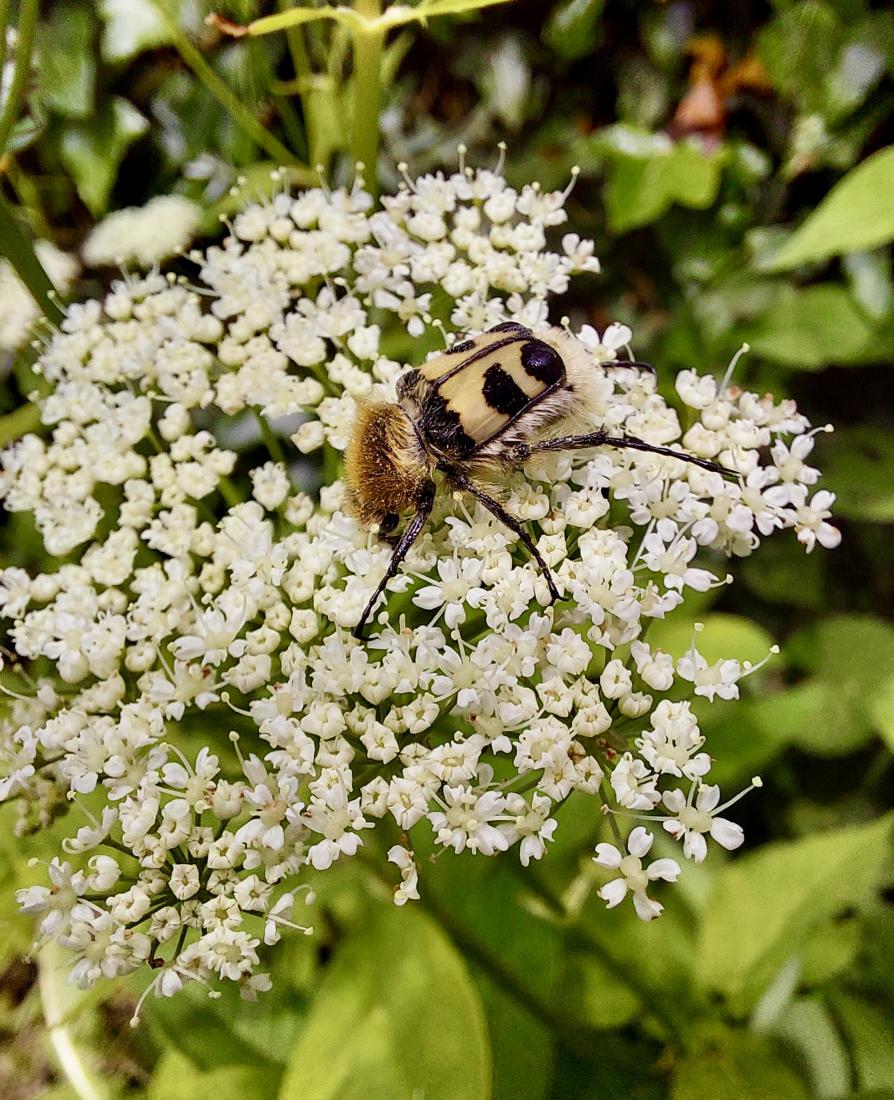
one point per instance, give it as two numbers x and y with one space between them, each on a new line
143 235
634 876
201 589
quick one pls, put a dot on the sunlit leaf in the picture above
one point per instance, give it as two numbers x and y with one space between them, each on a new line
766 901
396 1015
870 1035
176 1078
857 214
812 327
737 1066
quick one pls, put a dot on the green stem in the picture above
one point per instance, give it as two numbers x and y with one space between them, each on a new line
4 21
368 45
229 492
221 91
270 440
18 249
28 11
297 47
16 424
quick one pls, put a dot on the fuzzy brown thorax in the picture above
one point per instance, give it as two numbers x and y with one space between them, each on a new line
385 464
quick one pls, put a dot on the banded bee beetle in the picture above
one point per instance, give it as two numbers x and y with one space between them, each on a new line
482 404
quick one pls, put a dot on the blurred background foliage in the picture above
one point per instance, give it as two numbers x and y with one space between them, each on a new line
738 177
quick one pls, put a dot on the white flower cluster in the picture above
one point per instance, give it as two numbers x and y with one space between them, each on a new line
144 235
198 592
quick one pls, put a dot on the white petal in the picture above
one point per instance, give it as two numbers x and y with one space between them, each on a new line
728 834
707 798
607 855
666 869
674 800
614 892
639 842
695 847
646 908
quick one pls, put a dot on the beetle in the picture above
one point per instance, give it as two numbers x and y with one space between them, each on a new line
483 403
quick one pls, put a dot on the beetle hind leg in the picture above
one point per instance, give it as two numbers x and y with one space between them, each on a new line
461 481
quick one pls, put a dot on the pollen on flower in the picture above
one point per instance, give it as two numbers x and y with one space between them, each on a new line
199 586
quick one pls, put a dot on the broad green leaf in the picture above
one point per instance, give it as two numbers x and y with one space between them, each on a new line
92 150
176 1078
396 1015
600 999
812 327
881 710
67 70
782 573
647 174
858 466
830 949
854 659
807 1025
737 1066
522 1046
227 1031
721 636
572 28
130 26
857 214
870 1034
765 902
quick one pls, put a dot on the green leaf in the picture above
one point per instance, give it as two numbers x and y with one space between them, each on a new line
648 173
766 902
799 49
397 1016
737 1066
858 466
870 1036
67 71
807 1025
721 636
812 327
93 150
855 655
572 28
881 710
176 1078
857 214
130 26
225 1031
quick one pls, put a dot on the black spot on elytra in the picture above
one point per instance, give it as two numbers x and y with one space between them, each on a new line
462 347
542 362
502 393
511 326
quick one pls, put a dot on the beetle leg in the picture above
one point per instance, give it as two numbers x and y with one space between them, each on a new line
461 481
602 439
410 534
